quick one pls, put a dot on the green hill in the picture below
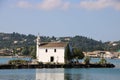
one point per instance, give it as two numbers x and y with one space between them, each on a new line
86 44
16 40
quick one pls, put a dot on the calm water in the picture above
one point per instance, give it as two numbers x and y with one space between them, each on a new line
5 60
64 74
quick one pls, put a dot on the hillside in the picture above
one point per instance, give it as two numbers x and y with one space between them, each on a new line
86 44
16 40
12 40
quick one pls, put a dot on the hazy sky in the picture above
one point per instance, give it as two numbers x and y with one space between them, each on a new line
97 19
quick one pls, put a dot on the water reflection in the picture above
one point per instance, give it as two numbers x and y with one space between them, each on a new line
61 74
57 74
49 74
78 74
72 77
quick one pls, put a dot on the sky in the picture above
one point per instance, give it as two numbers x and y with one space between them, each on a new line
96 19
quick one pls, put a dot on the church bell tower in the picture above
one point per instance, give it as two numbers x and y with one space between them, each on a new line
37 46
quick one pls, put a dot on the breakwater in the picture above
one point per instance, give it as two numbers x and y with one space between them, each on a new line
32 66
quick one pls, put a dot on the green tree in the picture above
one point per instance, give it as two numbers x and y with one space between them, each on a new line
77 54
32 51
87 60
68 54
102 61
25 51
14 52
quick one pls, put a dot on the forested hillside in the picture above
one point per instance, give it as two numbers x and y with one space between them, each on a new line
86 44
16 40
12 40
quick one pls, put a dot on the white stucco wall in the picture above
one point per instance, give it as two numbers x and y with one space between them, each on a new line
45 57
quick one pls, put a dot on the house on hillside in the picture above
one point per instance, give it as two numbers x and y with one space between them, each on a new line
91 54
53 52
5 52
108 55
101 54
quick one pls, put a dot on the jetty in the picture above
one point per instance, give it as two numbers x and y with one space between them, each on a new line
34 66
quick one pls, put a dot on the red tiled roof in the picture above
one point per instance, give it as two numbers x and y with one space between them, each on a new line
53 44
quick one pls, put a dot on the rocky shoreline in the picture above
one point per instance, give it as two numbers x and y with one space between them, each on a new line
33 66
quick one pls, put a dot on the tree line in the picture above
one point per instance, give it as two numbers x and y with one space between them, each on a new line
27 43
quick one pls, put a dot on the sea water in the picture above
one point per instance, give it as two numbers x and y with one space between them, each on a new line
63 73
5 60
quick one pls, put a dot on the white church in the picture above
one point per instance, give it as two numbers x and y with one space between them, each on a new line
52 52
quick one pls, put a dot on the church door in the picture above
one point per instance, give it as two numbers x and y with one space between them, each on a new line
51 59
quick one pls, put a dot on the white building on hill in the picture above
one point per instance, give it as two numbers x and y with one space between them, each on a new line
52 52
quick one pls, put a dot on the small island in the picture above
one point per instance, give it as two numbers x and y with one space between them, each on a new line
23 64
56 55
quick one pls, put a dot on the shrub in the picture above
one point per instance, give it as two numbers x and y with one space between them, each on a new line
102 61
87 60
18 62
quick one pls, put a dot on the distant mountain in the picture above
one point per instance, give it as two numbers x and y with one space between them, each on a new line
16 40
